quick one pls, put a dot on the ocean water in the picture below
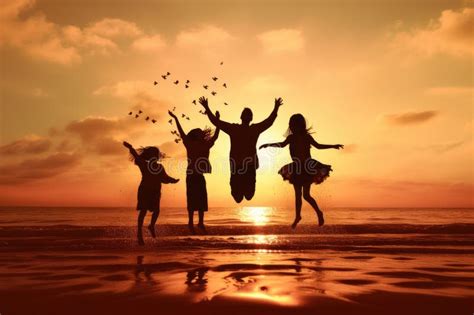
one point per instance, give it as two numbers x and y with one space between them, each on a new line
234 216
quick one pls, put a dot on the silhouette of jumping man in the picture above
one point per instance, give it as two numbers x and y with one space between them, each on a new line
149 191
243 152
198 143
304 170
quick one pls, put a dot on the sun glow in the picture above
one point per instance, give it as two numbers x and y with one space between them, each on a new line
256 215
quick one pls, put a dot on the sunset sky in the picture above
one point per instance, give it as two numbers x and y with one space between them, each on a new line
392 80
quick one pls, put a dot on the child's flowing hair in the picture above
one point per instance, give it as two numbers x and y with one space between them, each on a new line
297 125
200 134
148 153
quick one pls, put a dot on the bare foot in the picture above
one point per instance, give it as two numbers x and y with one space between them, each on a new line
202 227
320 218
140 241
191 229
295 223
151 228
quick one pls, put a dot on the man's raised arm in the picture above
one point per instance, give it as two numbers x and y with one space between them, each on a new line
268 122
224 126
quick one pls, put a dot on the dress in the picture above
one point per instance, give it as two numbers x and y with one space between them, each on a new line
304 169
198 165
149 191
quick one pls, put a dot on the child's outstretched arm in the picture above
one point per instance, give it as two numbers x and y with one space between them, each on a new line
325 146
276 144
216 132
178 125
133 152
166 179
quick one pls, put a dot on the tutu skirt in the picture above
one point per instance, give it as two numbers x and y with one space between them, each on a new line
310 172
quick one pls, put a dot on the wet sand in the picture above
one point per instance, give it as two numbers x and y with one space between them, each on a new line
72 273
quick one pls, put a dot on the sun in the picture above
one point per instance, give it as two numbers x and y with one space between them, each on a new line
256 215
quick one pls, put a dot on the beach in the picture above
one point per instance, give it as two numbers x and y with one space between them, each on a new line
260 267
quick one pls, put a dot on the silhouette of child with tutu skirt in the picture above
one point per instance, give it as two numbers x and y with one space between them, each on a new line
198 144
149 191
304 170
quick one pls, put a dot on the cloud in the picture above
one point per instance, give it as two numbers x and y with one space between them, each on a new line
35 35
452 33
109 28
208 36
123 89
282 41
149 44
446 147
451 90
39 168
410 118
267 83
31 144
42 39
350 148
39 92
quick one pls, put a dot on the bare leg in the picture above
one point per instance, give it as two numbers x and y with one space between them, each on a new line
201 221
312 202
298 203
141 218
190 221
151 227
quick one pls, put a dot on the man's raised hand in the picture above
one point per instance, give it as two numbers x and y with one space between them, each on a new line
278 102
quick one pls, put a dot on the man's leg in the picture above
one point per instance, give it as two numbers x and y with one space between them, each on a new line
250 180
236 187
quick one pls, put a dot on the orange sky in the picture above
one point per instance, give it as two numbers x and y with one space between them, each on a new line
392 80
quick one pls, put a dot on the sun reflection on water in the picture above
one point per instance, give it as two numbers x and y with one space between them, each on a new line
256 215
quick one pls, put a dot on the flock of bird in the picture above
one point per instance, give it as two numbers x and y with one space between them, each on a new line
186 84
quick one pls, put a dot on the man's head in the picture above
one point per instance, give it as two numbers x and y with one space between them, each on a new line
246 116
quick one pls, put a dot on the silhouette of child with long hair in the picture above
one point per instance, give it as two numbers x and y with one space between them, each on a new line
149 191
198 143
304 170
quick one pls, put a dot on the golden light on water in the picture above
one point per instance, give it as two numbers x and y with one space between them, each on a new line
256 215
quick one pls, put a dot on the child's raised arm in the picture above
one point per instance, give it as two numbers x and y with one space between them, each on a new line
325 146
133 152
216 132
178 125
276 144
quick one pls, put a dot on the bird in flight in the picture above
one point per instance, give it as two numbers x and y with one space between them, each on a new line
222 62
153 120
225 104
213 93
187 118
155 83
224 85
136 116
186 86
176 82
167 73
164 77
170 121
130 113
194 102
147 118
183 115
214 78
187 81
174 108
205 86
140 112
